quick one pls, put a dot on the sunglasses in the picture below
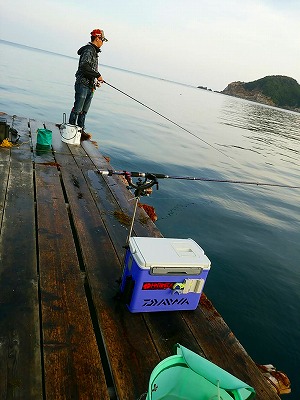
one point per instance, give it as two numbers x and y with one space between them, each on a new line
102 39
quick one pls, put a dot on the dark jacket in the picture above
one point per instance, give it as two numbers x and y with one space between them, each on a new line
88 65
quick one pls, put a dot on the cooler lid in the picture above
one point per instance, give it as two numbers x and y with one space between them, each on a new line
175 253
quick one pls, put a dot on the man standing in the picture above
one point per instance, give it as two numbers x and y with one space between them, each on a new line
87 77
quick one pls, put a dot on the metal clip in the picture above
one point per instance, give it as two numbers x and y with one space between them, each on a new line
178 288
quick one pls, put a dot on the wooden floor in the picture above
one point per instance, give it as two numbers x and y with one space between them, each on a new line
63 332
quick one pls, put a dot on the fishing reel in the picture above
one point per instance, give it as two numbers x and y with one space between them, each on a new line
97 83
143 187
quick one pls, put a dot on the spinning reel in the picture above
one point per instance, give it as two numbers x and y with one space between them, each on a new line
143 187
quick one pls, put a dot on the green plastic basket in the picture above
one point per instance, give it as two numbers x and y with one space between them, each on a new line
188 376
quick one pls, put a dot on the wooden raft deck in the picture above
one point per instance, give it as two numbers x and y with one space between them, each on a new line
63 333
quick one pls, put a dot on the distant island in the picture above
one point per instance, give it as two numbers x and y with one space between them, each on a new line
275 90
204 88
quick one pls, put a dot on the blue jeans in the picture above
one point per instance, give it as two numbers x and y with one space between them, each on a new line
83 99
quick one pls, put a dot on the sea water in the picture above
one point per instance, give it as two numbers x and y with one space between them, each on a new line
251 233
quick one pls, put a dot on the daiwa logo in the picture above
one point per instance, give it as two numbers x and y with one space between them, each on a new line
164 302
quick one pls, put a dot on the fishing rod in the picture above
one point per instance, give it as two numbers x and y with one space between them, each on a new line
172 122
151 179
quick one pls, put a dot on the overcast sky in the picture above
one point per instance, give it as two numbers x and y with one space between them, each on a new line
198 42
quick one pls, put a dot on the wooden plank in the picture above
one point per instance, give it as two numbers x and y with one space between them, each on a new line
20 359
129 347
71 358
104 200
4 171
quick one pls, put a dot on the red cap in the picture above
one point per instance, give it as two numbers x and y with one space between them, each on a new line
99 32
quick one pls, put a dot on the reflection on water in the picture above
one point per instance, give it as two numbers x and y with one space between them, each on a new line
269 129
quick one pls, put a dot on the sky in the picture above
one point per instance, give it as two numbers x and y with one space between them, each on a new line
208 43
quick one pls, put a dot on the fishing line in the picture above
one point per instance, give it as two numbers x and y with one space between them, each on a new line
161 176
190 178
172 122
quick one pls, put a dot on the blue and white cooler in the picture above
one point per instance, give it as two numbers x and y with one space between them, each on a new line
163 274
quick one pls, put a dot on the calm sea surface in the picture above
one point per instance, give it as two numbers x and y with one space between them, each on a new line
250 233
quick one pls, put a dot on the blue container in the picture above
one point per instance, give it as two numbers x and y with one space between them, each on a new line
163 274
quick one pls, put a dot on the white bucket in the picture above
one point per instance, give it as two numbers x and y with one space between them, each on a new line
70 133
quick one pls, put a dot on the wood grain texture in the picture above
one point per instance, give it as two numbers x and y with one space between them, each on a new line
19 308
71 356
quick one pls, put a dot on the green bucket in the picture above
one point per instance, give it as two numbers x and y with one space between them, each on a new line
44 139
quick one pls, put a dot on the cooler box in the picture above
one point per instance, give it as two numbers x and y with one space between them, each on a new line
163 274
